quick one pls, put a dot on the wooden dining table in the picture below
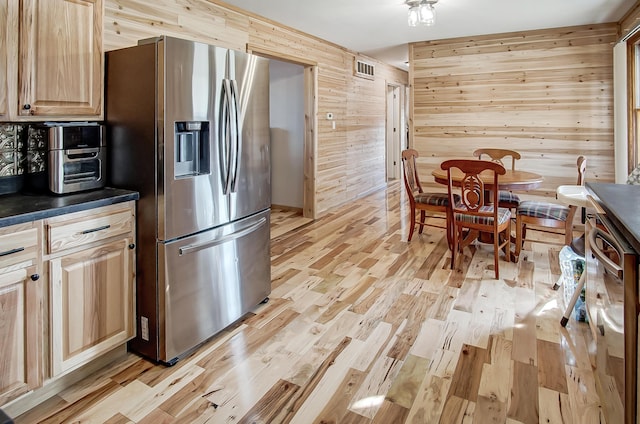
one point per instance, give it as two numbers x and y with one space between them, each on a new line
512 180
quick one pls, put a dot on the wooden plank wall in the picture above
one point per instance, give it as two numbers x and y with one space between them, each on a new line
350 161
547 94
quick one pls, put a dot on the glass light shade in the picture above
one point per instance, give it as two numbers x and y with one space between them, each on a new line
414 16
427 14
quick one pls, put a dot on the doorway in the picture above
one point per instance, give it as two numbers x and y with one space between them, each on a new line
310 142
287 121
394 131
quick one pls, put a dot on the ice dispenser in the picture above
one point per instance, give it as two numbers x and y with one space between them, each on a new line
191 155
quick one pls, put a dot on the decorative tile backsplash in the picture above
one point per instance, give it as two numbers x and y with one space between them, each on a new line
12 159
36 149
23 151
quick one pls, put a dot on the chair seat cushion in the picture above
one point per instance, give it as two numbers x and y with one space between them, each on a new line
504 215
508 199
435 199
543 210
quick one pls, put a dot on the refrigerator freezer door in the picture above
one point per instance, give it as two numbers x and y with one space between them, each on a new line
211 279
189 89
250 171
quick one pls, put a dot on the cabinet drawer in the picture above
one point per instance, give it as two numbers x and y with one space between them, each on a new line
19 247
88 229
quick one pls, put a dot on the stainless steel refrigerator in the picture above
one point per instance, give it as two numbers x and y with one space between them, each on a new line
188 127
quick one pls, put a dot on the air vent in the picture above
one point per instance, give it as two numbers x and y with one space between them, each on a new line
364 69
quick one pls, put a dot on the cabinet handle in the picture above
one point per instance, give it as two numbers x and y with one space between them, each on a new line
132 246
35 277
93 230
26 106
9 252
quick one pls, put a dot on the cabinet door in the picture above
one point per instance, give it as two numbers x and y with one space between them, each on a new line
60 59
8 52
20 332
91 303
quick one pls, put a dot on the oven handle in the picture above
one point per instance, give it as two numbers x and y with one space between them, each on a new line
609 265
80 154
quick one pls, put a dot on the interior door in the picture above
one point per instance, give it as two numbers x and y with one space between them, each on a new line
393 133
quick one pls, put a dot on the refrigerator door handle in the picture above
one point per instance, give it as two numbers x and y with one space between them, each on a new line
224 136
236 133
241 232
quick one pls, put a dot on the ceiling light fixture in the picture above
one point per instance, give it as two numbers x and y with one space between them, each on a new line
421 12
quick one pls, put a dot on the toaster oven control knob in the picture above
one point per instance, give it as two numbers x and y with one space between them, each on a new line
35 277
132 246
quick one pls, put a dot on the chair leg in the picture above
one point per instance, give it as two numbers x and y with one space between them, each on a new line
412 224
496 253
568 233
450 229
519 237
454 248
508 244
423 216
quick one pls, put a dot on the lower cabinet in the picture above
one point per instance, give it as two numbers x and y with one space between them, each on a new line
66 295
91 303
20 332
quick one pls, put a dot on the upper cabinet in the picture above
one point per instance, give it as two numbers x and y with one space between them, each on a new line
60 58
53 68
8 29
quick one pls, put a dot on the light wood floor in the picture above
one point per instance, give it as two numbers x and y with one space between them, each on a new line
363 327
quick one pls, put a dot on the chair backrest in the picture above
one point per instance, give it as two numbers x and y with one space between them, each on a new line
474 186
497 155
582 167
411 179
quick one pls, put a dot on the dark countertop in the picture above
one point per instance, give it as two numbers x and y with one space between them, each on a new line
20 208
621 202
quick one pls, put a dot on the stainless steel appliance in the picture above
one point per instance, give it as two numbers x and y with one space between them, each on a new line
612 306
188 128
77 157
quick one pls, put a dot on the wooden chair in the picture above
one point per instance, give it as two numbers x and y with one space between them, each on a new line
477 209
506 199
546 214
437 204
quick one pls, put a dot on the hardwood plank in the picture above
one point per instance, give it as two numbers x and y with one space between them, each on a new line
271 404
554 407
337 407
390 412
466 379
523 405
456 410
551 367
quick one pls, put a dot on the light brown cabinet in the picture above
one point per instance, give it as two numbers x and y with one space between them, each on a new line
91 262
21 311
66 294
91 303
6 32
54 66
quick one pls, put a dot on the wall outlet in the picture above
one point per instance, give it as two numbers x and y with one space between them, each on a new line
144 328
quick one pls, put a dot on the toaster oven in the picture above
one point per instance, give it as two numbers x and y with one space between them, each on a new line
77 157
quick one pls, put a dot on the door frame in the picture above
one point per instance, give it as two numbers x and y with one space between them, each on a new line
309 206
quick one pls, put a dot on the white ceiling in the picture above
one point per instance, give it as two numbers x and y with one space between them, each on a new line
378 28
